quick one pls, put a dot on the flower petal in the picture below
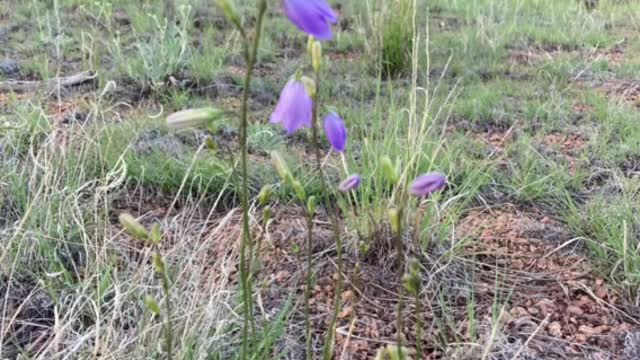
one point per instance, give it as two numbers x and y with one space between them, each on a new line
294 108
312 17
335 131
426 184
350 183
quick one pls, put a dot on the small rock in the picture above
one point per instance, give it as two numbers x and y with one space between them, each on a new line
9 67
601 293
581 339
555 329
282 276
574 310
588 330
519 312
348 295
346 313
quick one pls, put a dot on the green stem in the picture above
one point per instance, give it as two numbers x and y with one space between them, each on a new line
400 269
166 289
250 58
418 326
328 346
307 291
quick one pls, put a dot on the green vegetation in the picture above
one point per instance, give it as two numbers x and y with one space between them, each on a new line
531 108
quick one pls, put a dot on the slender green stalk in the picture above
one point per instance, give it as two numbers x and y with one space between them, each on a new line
166 289
250 56
400 266
307 290
332 218
418 326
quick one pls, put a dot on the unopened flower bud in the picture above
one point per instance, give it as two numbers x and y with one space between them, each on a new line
310 41
281 166
158 263
266 214
152 305
311 205
265 195
309 85
133 227
395 219
316 55
193 118
299 190
156 234
389 170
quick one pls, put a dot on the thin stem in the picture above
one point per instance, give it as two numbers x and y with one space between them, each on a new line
307 291
250 58
166 289
400 269
332 218
418 326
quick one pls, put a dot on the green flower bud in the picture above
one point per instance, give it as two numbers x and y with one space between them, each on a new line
389 170
316 55
309 85
395 219
156 234
390 352
133 227
193 118
281 166
265 195
158 263
266 214
311 205
299 190
310 43
152 305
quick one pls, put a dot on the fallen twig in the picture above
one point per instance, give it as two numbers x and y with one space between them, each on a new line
50 85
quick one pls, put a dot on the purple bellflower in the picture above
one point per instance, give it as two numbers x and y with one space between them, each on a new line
335 131
312 17
350 183
294 107
426 184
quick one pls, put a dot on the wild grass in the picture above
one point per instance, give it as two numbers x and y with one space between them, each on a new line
72 283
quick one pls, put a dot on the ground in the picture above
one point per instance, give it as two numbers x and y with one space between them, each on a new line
531 109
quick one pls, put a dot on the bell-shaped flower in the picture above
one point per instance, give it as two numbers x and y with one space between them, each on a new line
335 131
350 183
294 108
311 16
426 184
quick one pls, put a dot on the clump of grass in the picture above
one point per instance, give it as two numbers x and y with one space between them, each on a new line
392 32
154 58
397 38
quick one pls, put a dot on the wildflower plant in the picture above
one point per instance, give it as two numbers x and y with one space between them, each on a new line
153 237
299 107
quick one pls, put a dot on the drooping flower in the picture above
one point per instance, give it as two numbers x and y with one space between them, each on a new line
350 183
294 107
311 16
192 118
335 131
426 184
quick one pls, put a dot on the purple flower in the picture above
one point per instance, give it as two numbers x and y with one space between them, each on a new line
294 107
335 131
350 183
312 17
426 184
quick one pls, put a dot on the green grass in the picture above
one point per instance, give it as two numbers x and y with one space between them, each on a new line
63 182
